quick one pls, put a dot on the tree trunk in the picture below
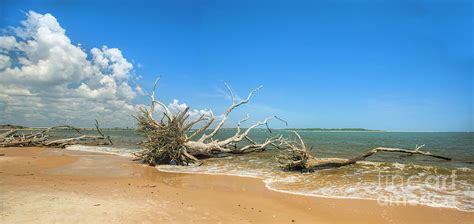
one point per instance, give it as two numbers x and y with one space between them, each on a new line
297 158
41 138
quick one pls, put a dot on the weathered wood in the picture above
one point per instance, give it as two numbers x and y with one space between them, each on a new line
171 140
297 158
41 138
7 134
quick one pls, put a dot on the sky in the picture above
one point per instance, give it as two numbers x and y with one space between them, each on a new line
386 65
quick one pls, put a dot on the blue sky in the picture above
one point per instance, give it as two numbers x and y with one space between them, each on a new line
391 65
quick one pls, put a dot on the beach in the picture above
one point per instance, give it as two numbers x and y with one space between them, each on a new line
236 112
43 185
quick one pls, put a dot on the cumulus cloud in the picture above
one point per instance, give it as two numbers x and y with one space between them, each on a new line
7 42
194 114
46 79
4 62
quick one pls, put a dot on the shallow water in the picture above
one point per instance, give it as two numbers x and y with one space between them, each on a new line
385 177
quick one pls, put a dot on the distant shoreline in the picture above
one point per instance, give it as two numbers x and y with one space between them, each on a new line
309 130
284 129
330 129
87 129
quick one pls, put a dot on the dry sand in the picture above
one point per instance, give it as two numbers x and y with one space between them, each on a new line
40 185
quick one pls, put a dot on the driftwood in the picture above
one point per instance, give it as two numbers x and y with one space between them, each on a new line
173 140
296 156
15 138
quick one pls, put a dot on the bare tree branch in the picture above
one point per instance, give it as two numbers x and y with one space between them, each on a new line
297 157
171 142
228 111
41 138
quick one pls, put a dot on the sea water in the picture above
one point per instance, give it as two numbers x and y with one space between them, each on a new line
385 177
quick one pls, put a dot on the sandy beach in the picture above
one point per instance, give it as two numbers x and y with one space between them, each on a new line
42 185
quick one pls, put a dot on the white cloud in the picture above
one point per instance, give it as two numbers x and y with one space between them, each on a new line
46 79
194 114
4 62
7 42
125 91
112 60
140 90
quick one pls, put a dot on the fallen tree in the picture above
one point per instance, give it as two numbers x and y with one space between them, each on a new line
41 138
171 139
296 157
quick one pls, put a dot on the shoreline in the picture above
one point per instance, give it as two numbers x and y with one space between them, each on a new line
90 175
396 203
267 185
262 179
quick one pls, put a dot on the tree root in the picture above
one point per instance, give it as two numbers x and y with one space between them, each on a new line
172 139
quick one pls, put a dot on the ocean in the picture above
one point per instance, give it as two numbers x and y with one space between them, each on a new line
386 177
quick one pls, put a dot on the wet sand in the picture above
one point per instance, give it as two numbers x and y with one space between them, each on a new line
39 185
